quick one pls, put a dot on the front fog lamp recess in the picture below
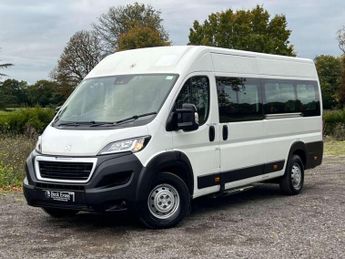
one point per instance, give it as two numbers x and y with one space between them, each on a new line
133 145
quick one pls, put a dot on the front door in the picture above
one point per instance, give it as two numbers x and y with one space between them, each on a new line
201 145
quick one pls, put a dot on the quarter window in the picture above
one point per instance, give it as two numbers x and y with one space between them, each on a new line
280 97
308 99
238 99
196 91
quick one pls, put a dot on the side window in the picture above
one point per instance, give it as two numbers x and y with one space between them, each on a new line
308 98
238 99
196 91
280 97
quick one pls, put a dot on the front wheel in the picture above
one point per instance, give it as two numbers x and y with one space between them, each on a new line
167 202
292 181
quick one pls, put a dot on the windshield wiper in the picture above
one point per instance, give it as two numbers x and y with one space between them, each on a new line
99 123
77 123
119 122
135 117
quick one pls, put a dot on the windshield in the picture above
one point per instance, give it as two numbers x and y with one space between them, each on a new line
116 99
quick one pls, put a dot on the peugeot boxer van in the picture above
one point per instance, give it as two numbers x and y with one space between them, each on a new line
151 129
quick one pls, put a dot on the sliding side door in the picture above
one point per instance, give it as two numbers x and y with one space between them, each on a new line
242 131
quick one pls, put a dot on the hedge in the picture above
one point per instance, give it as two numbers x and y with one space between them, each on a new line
335 124
28 121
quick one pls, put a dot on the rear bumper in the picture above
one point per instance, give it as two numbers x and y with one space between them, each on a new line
314 152
113 185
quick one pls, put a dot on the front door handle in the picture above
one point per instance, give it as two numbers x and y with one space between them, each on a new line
225 132
211 133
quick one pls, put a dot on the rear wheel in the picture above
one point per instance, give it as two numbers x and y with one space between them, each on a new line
292 181
60 213
166 203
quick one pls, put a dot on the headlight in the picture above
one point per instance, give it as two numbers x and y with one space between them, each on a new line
133 145
38 147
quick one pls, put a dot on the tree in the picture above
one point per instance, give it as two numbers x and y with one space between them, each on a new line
124 22
341 44
13 93
5 65
341 39
244 29
44 93
329 71
79 57
341 90
140 37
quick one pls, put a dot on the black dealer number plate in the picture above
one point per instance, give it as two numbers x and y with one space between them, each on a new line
62 196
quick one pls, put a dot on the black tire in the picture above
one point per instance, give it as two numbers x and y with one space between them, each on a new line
59 213
291 184
165 187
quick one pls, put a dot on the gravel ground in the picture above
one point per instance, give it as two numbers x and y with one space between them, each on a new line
259 223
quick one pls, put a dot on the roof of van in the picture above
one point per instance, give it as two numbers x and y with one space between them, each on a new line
187 59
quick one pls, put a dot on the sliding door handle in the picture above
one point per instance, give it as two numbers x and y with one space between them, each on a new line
211 133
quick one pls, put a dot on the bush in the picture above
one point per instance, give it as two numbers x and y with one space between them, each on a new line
335 124
28 121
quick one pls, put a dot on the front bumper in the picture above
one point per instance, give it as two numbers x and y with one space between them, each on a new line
113 185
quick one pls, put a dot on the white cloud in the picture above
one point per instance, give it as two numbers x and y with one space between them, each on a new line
34 32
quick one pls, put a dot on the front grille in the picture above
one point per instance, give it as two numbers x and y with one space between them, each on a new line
79 171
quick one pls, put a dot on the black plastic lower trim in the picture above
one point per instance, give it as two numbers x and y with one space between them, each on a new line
239 174
314 152
113 182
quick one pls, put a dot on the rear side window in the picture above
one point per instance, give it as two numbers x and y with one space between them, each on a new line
238 99
196 91
291 96
308 98
280 97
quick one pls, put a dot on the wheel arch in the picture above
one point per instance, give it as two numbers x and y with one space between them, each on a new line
174 162
298 148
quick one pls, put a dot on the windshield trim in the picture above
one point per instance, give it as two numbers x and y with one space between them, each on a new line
138 122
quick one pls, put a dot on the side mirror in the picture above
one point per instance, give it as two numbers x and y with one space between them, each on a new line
187 118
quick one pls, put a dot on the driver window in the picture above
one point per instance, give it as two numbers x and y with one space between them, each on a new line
196 91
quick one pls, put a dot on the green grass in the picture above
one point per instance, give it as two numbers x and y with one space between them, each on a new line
13 153
3 113
334 148
7 111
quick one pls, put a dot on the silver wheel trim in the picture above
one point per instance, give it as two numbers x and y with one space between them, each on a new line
296 176
163 201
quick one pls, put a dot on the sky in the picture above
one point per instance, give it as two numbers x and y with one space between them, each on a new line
33 33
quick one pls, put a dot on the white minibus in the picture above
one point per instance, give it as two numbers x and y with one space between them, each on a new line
149 130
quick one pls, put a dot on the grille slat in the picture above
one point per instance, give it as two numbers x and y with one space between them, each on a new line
65 170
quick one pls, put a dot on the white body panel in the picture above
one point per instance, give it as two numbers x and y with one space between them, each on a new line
84 142
250 143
